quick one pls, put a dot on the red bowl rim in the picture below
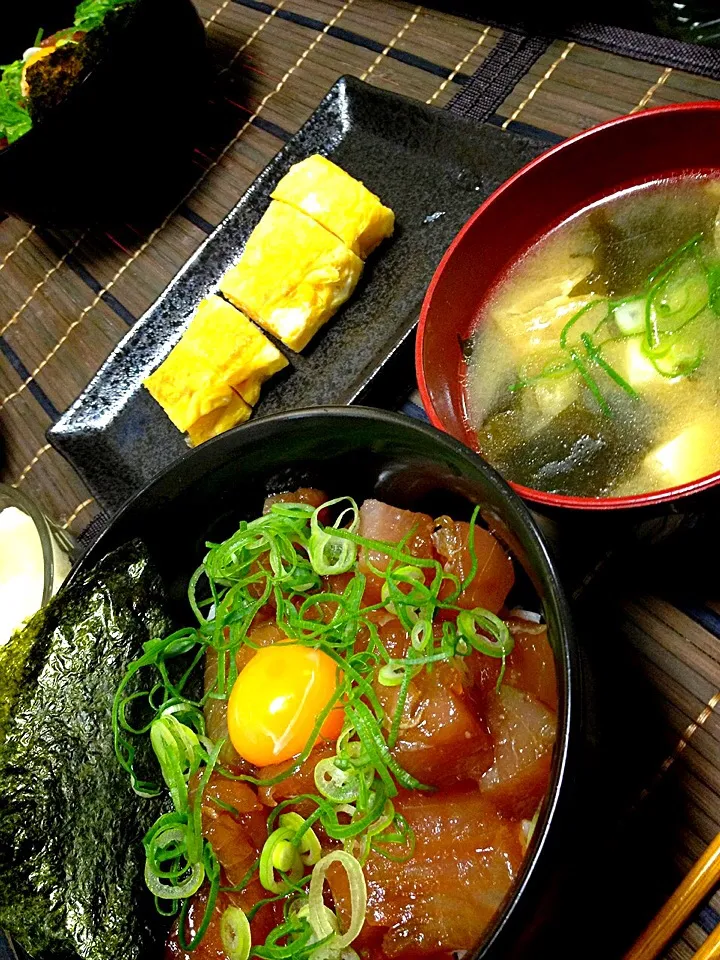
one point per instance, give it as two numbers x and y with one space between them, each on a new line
539 496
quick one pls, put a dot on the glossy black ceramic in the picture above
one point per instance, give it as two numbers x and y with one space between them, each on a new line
369 453
118 146
431 167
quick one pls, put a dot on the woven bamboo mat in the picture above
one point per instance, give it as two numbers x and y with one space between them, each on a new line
67 297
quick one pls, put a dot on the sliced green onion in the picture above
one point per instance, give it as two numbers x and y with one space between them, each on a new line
421 635
713 279
309 845
406 574
405 679
212 873
690 245
597 357
286 858
590 383
292 511
317 917
565 332
372 738
675 293
328 553
297 934
384 821
527 829
403 836
678 359
154 659
676 301
338 785
177 891
392 674
195 838
360 819
173 765
235 934
500 641
629 315
556 368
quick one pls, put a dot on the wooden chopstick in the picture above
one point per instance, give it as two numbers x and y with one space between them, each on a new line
700 881
710 950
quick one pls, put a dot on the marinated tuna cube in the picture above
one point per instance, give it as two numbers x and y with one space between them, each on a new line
531 665
494 574
442 899
441 742
380 521
524 733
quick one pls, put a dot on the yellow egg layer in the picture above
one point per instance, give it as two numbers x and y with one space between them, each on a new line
292 276
220 420
338 202
220 362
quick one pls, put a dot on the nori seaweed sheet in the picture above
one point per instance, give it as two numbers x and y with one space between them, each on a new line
71 827
53 78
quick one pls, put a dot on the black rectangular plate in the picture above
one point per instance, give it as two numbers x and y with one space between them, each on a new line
432 168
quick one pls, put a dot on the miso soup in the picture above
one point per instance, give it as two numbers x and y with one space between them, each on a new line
594 370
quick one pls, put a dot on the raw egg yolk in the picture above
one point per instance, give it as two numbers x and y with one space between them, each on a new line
276 700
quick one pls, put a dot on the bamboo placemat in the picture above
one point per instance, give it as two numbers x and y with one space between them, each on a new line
67 297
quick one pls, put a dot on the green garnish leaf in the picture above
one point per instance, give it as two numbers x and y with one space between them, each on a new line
14 116
91 13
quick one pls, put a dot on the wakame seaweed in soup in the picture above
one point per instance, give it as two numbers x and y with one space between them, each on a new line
45 73
595 369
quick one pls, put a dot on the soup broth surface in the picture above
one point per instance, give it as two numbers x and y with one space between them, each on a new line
594 370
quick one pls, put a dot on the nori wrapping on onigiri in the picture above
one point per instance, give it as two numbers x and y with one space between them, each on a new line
52 79
71 827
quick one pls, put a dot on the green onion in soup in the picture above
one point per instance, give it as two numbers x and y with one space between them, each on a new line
595 365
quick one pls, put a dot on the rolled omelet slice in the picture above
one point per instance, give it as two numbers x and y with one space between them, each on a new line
219 351
213 424
338 202
292 276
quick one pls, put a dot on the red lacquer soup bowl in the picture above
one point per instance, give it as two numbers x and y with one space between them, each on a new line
641 148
